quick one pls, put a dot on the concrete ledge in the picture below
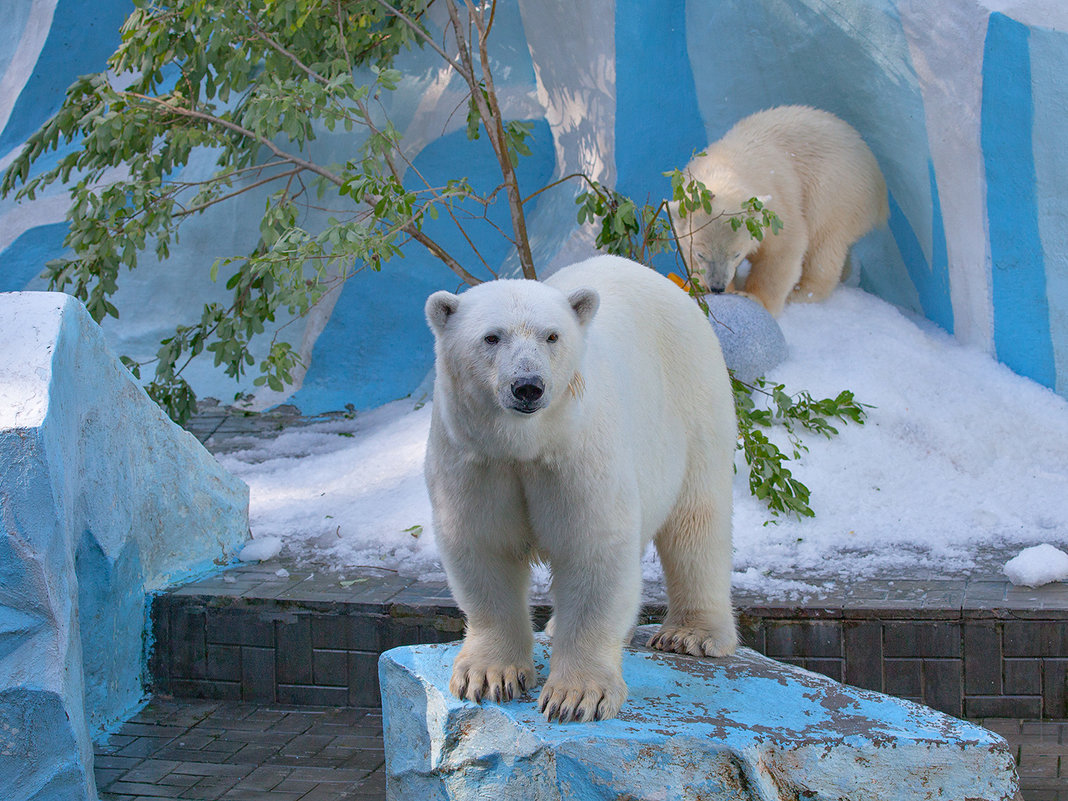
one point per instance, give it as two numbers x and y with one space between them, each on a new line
743 727
973 648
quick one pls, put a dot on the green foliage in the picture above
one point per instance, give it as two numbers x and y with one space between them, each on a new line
626 229
757 218
252 85
769 478
641 232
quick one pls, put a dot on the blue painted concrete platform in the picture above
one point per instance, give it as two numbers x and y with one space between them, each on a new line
741 727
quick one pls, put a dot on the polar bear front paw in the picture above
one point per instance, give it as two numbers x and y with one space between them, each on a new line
474 681
695 642
581 701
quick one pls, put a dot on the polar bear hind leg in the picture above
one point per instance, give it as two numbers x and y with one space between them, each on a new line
695 553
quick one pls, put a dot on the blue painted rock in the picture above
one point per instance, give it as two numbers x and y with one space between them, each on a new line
751 340
743 727
103 499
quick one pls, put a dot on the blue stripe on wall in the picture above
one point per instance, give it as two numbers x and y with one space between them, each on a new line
931 280
83 34
1018 280
658 123
25 259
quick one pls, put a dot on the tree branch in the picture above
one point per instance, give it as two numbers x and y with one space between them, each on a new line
490 112
233 126
260 34
201 206
438 251
426 38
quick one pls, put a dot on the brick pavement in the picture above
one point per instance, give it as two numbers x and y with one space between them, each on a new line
1041 749
193 750
196 750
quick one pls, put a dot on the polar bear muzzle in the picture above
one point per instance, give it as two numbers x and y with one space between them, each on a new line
527 392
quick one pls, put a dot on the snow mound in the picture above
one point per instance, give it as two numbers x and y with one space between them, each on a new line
1037 565
261 549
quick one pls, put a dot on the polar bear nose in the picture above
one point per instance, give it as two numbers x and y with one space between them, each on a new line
528 389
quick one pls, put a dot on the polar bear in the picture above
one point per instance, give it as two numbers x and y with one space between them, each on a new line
810 168
574 420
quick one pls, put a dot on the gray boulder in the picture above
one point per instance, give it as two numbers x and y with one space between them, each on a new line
752 341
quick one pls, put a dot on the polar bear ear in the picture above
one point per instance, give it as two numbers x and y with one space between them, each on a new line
584 302
764 199
439 307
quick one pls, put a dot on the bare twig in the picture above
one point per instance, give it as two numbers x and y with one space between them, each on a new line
201 206
422 34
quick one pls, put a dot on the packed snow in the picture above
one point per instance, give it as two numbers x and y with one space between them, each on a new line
1038 565
960 462
260 549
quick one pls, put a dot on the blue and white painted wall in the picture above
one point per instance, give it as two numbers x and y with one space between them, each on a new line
961 100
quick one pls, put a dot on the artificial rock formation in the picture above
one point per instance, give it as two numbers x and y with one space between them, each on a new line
102 500
743 727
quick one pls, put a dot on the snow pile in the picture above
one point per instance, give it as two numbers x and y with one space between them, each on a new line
960 457
1038 565
261 549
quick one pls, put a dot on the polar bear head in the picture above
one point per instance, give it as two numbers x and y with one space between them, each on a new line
710 245
509 347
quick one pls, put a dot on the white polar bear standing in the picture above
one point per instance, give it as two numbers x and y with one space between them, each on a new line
810 168
574 421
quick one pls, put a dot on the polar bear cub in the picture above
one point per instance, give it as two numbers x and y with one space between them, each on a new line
574 421
810 168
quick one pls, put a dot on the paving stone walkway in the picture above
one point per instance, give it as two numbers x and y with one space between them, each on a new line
191 750
197 750
1041 749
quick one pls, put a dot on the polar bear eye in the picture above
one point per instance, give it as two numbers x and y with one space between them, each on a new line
552 337
491 339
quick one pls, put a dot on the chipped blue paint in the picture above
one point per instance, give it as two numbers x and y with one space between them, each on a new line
741 727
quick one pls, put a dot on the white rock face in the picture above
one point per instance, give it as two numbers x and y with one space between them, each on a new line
743 727
102 500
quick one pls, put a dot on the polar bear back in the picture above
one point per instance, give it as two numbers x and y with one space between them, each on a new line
824 159
653 359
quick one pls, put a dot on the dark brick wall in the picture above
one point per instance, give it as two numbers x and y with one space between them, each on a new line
971 667
267 650
263 651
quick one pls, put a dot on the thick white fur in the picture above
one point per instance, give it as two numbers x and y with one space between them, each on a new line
634 441
810 168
